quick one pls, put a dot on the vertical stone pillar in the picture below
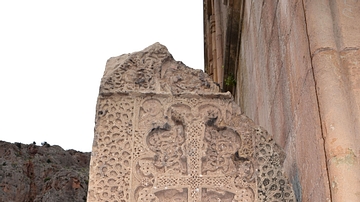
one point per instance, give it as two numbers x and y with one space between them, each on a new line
218 42
333 30
214 49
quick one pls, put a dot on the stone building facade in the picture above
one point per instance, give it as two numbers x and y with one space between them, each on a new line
293 67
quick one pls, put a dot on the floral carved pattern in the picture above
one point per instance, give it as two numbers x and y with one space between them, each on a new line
167 146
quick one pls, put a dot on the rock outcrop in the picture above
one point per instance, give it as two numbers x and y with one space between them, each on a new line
31 173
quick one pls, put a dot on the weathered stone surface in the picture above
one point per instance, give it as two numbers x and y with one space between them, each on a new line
164 132
296 74
30 173
335 71
275 87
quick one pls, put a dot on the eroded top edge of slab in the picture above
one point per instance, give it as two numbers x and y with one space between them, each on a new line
154 70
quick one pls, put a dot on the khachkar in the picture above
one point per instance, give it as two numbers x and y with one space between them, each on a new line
165 132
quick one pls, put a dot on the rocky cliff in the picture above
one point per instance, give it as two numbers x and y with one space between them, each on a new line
31 173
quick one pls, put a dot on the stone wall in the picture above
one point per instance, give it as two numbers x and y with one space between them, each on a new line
276 88
295 65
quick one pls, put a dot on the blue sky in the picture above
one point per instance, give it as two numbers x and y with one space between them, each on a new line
53 55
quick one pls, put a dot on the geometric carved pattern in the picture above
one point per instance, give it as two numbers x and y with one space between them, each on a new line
164 132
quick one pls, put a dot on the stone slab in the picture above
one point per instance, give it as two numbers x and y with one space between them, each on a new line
165 132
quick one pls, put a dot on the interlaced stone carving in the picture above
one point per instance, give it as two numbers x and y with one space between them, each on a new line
164 132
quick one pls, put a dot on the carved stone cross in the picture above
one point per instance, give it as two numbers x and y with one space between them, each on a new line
164 132
202 172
